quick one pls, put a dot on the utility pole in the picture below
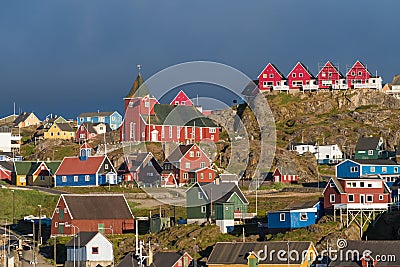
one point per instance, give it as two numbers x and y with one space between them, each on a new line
55 251
40 225
13 205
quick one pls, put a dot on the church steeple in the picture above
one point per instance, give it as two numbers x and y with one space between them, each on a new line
85 151
139 88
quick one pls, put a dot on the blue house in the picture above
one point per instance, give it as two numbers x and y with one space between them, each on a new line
358 168
112 118
85 170
296 215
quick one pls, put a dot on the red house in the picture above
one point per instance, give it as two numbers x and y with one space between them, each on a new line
300 78
6 168
147 120
181 99
185 162
92 213
329 77
356 193
272 79
283 177
359 77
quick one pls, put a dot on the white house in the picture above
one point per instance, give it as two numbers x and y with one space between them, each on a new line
8 141
89 249
325 154
328 154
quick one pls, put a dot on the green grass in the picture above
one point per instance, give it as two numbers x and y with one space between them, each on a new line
26 203
27 150
288 98
99 189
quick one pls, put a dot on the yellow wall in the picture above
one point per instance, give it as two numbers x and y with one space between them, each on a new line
55 133
31 120
21 180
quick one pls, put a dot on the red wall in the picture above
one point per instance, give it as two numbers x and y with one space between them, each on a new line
297 70
326 69
206 172
269 69
357 67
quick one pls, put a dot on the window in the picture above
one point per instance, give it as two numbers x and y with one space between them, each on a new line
271 75
202 164
113 118
57 210
354 169
185 176
294 75
191 154
353 73
203 209
300 74
330 74
362 184
323 74
42 178
212 130
64 179
187 165
146 104
56 224
176 102
265 75
87 178
200 195
354 184
95 250
178 132
396 169
198 154
383 169
332 198
369 198
303 216
106 166
370 152
372 169
210 176
212 137
380 197
201 175
170 131
282 217
359 73
350 197
369 185
75 178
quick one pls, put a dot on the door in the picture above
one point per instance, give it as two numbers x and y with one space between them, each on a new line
362 199
154 136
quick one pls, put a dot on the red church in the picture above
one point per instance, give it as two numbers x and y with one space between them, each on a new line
359 77
300 78
148 120
272 79
329 77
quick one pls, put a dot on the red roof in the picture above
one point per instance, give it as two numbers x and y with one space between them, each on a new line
73 165
85 145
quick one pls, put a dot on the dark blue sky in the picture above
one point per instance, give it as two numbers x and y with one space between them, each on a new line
71 56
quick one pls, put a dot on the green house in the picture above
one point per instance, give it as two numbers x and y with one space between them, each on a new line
370 148
222 203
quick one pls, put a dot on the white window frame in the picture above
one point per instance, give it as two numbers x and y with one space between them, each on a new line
370 152
380 197
369 196
87 178
200 195
384 169
332 198
271 75
191 154
348 197
76 178
372 169
302 214
187 165
203 209
293 75
64 179
300 75
282 217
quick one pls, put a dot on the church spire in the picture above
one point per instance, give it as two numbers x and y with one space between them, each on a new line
138 84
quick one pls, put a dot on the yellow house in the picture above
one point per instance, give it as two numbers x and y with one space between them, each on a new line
263 254
26 119
60 131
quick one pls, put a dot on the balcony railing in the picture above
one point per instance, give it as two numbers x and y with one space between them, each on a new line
340 86
366 85
364 206
280 88
310 87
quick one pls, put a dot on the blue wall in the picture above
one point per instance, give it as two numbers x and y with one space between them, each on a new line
292 219
70 180
114 120
343 169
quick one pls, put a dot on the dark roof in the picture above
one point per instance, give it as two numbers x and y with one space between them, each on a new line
237 252
21 118
165 114
220 193
376 247
96 114
338 184
375 161
160 259
101 206
66 127
367 143
179 152
81 239
139 88
278 71
90 126
301 205
8 165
